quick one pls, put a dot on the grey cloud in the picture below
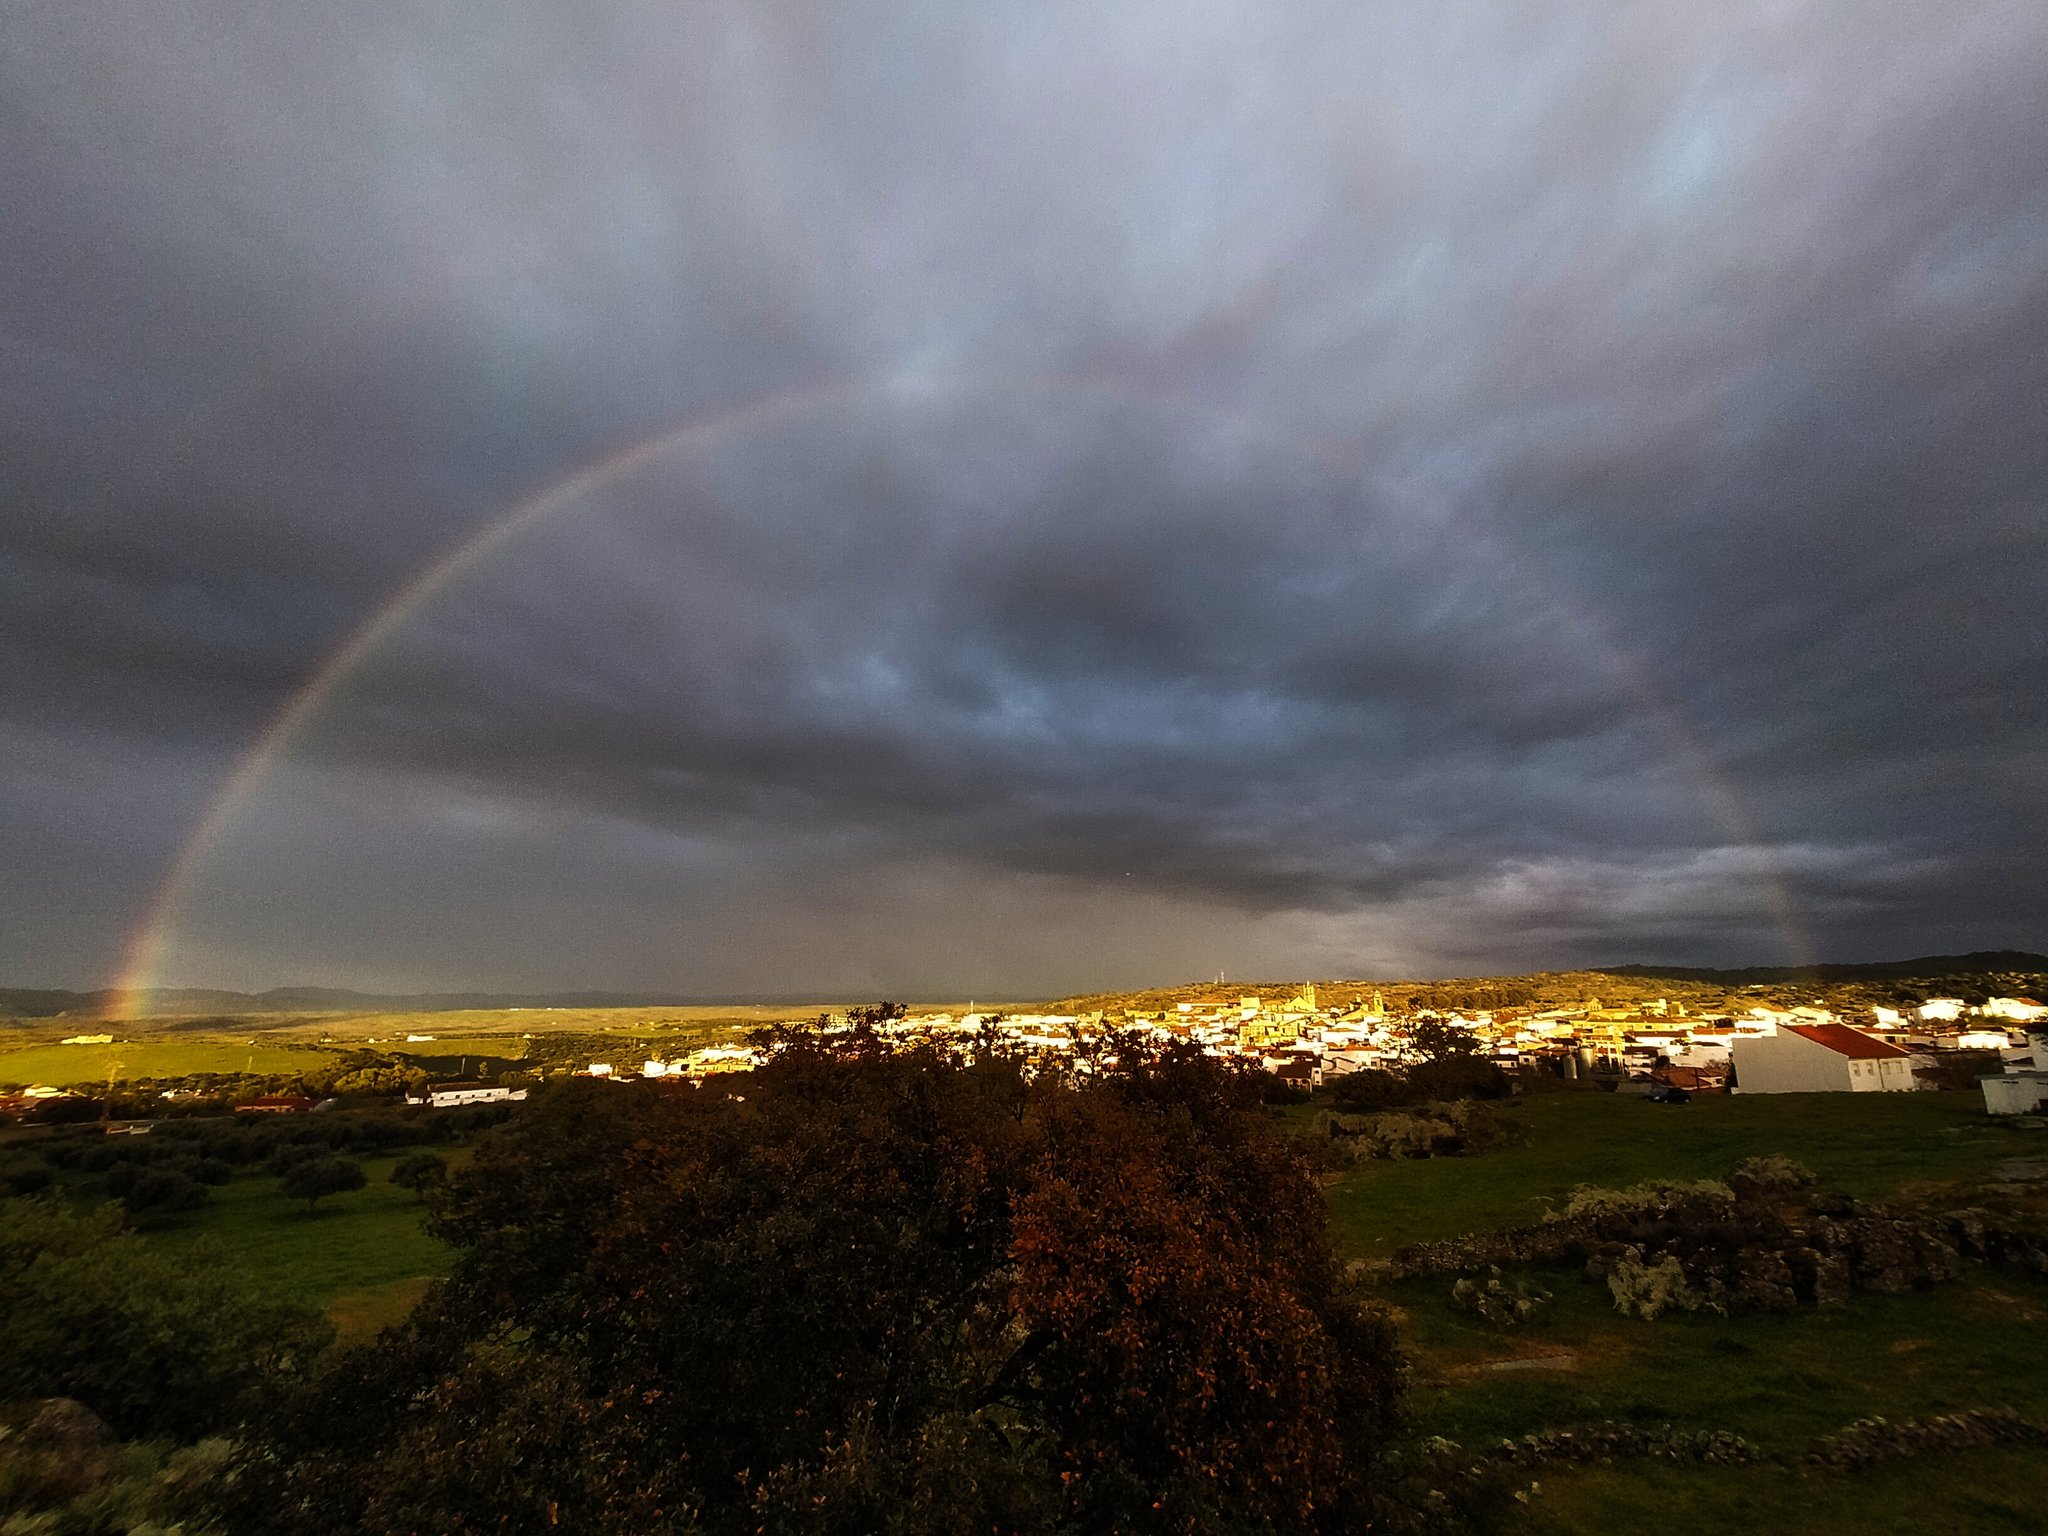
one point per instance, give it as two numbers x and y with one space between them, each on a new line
1452 486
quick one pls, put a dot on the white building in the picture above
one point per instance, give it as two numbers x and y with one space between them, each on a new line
2014 1093
1946 1009
445 1095
1821 1058
2022 1010
2023 1087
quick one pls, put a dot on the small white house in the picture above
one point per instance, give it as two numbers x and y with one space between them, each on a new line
1821 1058
1945 1009
2014 1093
2023 1086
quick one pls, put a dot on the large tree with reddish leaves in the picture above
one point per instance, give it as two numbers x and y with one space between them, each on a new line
863 1291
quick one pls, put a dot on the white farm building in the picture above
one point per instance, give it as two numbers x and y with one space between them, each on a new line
448 1095
1820 1058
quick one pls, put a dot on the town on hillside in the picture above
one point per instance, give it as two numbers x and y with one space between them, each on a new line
1309 1039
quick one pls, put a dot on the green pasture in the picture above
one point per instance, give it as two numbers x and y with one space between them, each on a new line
64 1065
363 1257
1780 1380
457 1045
1869 1145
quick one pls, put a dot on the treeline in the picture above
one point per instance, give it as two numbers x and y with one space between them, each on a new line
1541 990
174 1166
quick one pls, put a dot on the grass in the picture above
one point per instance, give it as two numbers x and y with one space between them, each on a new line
63 1065
1980 1493
362 1257
1780 1380
1870 1145
459 1045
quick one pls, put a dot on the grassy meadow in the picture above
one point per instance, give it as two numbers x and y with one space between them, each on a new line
1779 1380
61 1066
1868 1145
363 1257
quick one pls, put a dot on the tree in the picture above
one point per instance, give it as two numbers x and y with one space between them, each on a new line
419 1171
1452 1066
316 1178
877 1291
1436 1040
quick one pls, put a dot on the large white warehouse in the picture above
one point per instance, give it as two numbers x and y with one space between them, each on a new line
1820 1058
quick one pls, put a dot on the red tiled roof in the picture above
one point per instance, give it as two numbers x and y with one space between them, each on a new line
1844 1041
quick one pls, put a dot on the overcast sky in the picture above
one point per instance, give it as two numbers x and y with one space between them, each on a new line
1275 488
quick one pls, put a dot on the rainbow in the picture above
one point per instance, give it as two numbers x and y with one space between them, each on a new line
146 951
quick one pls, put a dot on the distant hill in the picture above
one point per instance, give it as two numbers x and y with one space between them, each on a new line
1982 962
23 1003
45 1002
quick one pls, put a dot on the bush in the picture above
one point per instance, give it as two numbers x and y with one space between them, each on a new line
27 1178
1370 1088
151 1345
1497 1302
1756 1178
161 1189
1429 1130
1653 1197
1646 1290
63 1474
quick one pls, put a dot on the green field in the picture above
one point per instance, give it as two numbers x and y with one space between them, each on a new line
461 1045
62 1065
1778 1380
1868 1145
362 1257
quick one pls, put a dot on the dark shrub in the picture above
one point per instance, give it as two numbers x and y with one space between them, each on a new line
154 1346
161 1189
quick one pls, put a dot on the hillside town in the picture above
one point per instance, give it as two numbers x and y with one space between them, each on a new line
1307 1040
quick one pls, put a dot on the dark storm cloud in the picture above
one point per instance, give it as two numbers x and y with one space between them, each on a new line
1335 487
